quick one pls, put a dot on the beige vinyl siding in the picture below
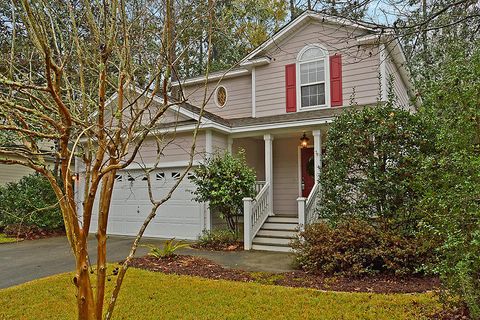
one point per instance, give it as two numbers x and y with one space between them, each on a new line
11 173
239 97
173 148
399 89
169 116
254 154
360 66
219 142
285 175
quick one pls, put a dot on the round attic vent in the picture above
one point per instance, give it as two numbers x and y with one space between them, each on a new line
221 96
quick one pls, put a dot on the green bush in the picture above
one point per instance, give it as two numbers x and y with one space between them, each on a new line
372 158
451 177
223 181
29 202
357 248
216 239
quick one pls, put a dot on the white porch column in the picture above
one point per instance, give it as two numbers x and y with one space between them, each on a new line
268 138
317 151
208 153
230 144
247 223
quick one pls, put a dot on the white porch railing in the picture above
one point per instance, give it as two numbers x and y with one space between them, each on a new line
255 212
259 185
307 206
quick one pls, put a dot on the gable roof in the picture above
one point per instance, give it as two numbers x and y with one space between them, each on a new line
374 34
299 21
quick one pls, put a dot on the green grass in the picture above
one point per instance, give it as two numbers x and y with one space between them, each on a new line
149 295
5 239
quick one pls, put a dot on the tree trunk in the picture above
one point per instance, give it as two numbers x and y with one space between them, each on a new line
105 199
85 302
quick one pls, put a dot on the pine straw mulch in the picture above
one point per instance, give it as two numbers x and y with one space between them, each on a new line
201 267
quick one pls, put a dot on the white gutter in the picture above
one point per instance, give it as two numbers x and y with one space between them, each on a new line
255 62
212 77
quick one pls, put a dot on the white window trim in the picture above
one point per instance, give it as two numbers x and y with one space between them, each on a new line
216 100
327 78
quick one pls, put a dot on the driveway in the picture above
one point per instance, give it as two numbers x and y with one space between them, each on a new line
28 260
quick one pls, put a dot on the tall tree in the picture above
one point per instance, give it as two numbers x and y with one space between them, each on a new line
238 27
67 59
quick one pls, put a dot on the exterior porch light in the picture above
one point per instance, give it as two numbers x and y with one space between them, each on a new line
304 141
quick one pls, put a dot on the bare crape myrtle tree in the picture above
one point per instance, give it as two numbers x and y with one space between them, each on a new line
64 61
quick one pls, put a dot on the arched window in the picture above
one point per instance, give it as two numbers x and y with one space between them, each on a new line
312 76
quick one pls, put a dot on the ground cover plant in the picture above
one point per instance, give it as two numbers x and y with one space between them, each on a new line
152 295
5 239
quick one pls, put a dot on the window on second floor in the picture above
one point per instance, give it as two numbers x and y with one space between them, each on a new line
312 77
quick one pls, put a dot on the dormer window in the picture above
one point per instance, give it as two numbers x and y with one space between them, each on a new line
312 75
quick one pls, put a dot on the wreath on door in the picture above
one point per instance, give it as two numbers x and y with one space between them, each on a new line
311 166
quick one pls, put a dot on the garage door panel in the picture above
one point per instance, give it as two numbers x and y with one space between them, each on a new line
179 217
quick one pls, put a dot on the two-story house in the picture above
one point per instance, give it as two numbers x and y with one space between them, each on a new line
277 106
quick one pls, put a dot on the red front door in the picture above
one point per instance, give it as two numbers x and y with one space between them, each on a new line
308 170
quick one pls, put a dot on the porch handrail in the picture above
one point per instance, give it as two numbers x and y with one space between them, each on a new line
255 211
307 206
259 186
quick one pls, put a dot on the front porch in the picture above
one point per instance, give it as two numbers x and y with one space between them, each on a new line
286 189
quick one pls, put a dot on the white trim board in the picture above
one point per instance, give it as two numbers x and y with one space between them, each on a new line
214 76
160 165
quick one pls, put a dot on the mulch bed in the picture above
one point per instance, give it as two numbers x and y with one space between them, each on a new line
238 246
201 267
455 313
31 232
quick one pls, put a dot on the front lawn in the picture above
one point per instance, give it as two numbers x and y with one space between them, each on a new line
153 295
5 239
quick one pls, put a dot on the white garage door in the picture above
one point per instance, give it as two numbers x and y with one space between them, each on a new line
179 217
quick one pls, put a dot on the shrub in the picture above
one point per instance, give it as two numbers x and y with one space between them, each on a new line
451 177
356 248
217 239
223 181
168 249
372 158
30 202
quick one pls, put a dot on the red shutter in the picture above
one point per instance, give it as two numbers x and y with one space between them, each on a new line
336 95
291 87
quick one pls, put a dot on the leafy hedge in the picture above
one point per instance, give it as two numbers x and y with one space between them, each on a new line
372 158
451 177
29 202
356 248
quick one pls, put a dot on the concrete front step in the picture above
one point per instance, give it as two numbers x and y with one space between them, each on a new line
264 247
270 240
279 219
280 226
276 233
